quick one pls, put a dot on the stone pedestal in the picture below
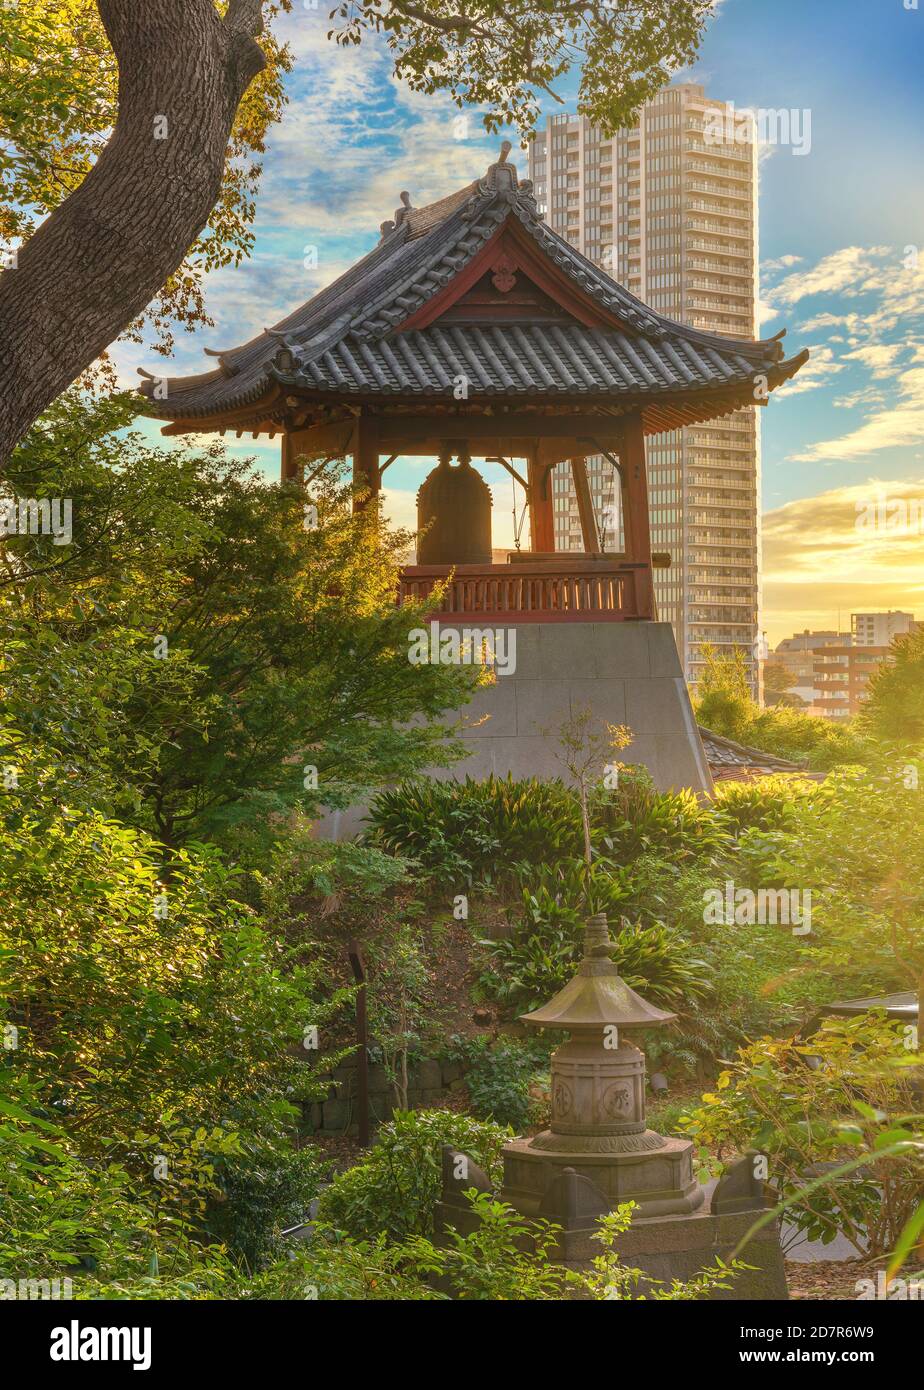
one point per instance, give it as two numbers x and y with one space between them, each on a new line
598 1130
668 1247
624 673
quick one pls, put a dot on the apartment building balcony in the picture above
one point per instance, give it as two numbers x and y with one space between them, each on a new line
718 150
716 210
716 324
739 195
721 306
698 283
717 266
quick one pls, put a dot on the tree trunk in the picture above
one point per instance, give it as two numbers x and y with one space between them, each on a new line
101 257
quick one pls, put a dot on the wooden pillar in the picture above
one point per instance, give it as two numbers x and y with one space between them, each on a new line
290 452
634 494
541 508
365 449
585 505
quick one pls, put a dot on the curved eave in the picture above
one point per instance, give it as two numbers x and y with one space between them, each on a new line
271 414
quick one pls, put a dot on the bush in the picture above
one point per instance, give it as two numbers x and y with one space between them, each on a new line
156 1020
62 1218
765 803
634 819
394 1191
524 970
499 1076
464 832
261 1195
847 1092
504 1257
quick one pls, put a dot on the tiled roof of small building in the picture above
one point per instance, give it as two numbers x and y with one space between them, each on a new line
348 339
731 761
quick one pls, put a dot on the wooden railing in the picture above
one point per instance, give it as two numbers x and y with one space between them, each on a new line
554 590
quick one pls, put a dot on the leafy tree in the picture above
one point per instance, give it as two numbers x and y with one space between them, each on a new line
894 709
202 657
64 1219
778 682
58 105
136 216
860 849
724 700
725 705
505 56
156 1022
855 1099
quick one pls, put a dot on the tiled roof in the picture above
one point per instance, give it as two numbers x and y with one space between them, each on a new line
513 358
348 338
729 760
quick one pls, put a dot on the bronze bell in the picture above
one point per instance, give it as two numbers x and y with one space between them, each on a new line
454 514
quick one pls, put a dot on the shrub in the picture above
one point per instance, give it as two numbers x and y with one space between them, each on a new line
765 803
156 1019
861 851
262 1194
634 819
465 831
541 956
395 1189
505 1257
846 1092
499 1076
62 1218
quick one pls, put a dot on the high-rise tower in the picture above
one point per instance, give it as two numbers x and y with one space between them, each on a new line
668 207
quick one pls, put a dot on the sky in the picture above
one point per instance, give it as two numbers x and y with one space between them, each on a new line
841 249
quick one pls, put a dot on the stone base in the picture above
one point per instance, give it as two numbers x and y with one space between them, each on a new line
660 1181
673 1247
624 673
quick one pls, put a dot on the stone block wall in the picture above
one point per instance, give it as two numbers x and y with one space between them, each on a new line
430 1083
624 673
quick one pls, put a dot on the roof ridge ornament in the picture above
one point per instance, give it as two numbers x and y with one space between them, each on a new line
502 183
501 177
406 207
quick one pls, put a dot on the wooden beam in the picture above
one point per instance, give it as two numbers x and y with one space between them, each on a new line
505 463
585 505
398 431
635 519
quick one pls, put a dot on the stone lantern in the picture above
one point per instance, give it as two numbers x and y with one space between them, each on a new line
598 1129
598 1151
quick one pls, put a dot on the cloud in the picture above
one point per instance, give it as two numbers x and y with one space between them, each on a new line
896 425
879 358
840 272
781 263
816 372
821 556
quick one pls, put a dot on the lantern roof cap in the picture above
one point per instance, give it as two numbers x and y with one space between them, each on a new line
596 995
